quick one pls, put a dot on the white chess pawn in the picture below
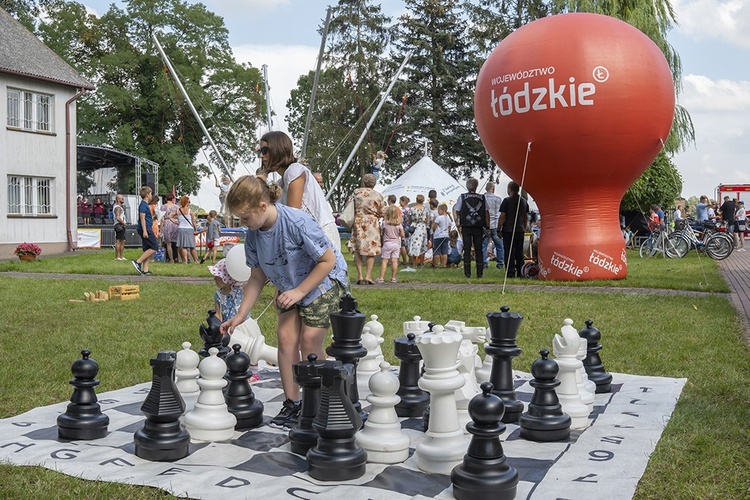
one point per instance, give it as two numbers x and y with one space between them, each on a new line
258 350
417 326
565 348
369 364
382 436
186 371
211 420
444 444
484 371
377 329
467 354
587 397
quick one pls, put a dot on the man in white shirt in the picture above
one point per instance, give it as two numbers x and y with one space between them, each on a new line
493 214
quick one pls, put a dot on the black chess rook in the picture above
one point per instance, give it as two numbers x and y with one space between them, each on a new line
347 345
83 418
485 472
414 400
239 396
545 421
593 361
162 438
336 456
304 435
502 347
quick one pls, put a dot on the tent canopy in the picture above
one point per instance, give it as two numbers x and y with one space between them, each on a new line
423 176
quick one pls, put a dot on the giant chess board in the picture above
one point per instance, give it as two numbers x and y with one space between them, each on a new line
605 460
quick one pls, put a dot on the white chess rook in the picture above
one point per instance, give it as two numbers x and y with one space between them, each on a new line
417 326
444 444
382 437
565 348
211 420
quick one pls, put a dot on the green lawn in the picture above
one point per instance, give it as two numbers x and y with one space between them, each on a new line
702 453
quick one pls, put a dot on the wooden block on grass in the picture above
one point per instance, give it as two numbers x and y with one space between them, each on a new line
124 292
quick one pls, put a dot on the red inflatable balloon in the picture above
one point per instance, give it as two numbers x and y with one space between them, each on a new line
575 107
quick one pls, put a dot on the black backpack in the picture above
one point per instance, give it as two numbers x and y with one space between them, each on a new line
473 211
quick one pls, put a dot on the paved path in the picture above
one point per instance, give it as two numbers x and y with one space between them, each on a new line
736 272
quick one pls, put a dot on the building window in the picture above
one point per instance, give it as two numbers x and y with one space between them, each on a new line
29 196
29 110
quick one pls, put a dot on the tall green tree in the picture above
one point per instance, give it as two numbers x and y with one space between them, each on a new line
661 183
439 82
492 20
136 105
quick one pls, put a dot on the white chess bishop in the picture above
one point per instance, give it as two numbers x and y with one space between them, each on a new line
444 444
211 420
565 348
587 396
382 437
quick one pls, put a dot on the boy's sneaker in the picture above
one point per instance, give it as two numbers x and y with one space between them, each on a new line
137 266
288 416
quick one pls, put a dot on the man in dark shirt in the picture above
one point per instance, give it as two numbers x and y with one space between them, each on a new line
471 209
727 211
514 211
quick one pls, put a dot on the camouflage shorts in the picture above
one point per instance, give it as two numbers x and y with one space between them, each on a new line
317 313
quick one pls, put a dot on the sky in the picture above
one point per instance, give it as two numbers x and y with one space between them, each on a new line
712 39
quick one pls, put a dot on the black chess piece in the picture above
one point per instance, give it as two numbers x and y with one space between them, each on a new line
504 327
593 361
162 438
239 395
212 336
83 418
414 400
336 456
304 436
545 420
485 472
347 345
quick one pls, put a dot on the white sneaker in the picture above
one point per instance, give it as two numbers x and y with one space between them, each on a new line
741 250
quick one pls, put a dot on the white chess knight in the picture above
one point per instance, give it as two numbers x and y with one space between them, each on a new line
471 333
444 444
467 355
565 348
382 436
211 420
484 369
377 329
369 364
417 326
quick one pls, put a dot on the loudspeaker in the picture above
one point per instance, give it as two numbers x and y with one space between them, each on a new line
147 179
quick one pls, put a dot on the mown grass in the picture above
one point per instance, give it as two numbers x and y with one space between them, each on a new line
702 453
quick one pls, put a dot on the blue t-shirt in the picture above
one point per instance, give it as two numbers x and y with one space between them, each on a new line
143 208
701 211
288 251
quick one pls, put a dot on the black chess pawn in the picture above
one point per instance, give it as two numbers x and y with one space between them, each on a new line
304 435
212 336
347 345
593 361
162 438
414 400
83 418
485 472
502 347
336 456
239 395
545 420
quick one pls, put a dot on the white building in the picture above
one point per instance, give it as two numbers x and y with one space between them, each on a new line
37 142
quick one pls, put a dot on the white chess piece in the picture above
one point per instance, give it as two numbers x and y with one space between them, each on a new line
467 354
417 326
587 397
369 364
382 436
471 333
258 350
211 420
582 352
186 370
444 444
565 348
484 371
377 329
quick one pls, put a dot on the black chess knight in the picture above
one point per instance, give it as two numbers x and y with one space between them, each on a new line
212 336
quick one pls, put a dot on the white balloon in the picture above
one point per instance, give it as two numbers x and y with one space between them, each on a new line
236 266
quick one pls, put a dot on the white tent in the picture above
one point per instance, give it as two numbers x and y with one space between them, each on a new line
423 176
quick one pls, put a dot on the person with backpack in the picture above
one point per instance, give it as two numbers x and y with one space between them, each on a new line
472 219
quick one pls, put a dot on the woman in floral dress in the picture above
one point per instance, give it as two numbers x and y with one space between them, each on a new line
369 206
168 227
418 217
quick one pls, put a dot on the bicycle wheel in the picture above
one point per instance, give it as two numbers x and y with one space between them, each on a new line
647 248
718 247
677 246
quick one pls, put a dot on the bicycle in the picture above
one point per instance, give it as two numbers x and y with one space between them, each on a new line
718 245
658 242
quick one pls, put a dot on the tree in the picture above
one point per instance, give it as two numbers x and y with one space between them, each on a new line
661 183
493 20
136 105
439 84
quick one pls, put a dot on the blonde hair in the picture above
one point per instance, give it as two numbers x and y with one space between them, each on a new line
145 191
249 191
393 216
443 207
